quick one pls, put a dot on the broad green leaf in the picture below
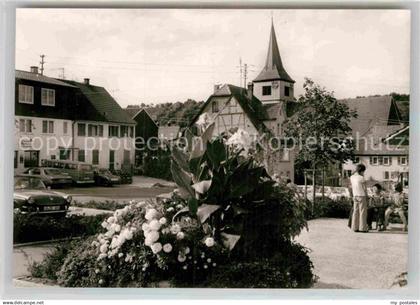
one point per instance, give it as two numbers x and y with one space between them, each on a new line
198 148
181 178
189 137
230 240
216 152
205 210
202 186
193 205
208 133
180 157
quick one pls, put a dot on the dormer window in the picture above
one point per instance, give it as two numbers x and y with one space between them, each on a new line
47 97
266 90
214 107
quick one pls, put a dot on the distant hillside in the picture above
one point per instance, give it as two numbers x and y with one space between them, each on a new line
169 113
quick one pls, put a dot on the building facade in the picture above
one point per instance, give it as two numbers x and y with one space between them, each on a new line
61 120
259 109
386 159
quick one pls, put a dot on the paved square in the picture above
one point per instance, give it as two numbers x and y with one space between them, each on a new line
345 259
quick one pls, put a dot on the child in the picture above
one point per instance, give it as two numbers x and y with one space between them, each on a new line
397 206
376 207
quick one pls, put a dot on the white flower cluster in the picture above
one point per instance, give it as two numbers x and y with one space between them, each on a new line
110 242
241 140
155 225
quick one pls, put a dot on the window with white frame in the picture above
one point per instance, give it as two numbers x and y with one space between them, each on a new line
266 90
402 161
124 131
386 175
373 160
47 97
65 127
81 129
387 160
113 131
95 130
26 94
25 125
47 126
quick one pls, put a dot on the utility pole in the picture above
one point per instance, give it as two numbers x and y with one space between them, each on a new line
62 76
245 74
42 62
240 72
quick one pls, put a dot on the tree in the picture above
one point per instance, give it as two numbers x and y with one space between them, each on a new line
321 124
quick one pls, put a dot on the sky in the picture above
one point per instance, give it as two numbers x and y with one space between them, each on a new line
169 55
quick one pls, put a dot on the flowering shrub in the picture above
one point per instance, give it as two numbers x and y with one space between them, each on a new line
226 210
151 244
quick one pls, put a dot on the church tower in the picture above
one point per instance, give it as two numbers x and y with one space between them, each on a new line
273 84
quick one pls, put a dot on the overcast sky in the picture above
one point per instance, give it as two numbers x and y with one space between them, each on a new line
171 55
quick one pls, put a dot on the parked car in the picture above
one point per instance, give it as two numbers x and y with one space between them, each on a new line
103 176
125 176
80 172
52 177
31 196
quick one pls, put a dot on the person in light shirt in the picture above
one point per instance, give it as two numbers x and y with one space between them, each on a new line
360 203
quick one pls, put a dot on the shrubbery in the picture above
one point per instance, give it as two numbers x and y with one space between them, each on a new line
29 228
330 208
289 268
53 261
157 164
108 205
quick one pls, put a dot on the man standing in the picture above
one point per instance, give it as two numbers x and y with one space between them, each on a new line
359 195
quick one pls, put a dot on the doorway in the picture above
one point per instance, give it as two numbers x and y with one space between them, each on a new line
31 158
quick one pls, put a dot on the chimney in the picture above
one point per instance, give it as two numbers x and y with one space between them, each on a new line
86 81
34 69
216 87
250 90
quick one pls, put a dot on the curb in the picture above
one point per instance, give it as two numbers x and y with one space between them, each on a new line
45 242
20 283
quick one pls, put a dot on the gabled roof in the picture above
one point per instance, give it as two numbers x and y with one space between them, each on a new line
103 102
20 74
253 108
371 111
273 68
143 110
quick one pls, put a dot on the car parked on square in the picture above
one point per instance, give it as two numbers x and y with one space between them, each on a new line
31 196
52 177
103 176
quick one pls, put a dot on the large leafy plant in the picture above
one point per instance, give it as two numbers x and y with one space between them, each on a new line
233 193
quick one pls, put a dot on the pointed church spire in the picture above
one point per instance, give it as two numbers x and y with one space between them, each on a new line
273 68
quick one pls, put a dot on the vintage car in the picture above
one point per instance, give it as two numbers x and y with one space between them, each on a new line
125 176
31 196
103 176
52 177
